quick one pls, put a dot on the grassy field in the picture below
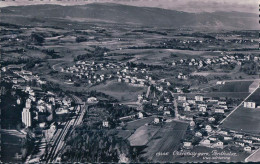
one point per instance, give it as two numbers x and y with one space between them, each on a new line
167 139
236 86
121 91
136 124
143 135
11 144
255 97
125 133
244 120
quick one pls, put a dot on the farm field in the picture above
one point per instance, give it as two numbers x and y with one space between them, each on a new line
137 123
244 120
236 86
125 133
121 91
167 139
255 97
143 135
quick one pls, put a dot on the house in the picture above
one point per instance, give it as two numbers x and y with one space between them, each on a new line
105 124
199 98
219 110
211 119
248 141
187 144
187 108
240 136
61 111
202 109
42 125
167 112
248 149
18 101
219 144
249 104
212 138
223 132
140 115
240 143
157 120
198 134
182 98
185 104
92 100
192 123
227 138
205 142
208 128
191 101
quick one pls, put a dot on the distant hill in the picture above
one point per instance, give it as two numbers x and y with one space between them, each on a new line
145 16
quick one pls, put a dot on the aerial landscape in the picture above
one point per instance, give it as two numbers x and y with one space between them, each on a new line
111 82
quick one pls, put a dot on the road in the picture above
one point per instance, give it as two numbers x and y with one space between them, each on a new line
59 141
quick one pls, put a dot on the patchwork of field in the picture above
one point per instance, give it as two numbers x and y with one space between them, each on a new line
167 139
121 91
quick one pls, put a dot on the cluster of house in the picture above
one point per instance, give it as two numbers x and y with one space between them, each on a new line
128 75
22 76
89 71
39 106
224 138
206 128
225 59
202 104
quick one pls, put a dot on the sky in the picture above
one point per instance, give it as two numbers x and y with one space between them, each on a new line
251 6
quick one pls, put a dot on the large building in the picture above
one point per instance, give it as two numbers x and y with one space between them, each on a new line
249 104
26 117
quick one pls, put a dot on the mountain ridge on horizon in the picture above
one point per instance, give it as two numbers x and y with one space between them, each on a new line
147 16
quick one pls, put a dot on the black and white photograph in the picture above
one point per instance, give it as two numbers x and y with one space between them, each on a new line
129 81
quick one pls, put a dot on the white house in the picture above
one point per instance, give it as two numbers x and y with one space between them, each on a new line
208 128
205 142
140 115
249 104
105 124
182 98
198 134
219 110
187 108
219 144
248 149
92 100
156 120
202 109
187 144
199 98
